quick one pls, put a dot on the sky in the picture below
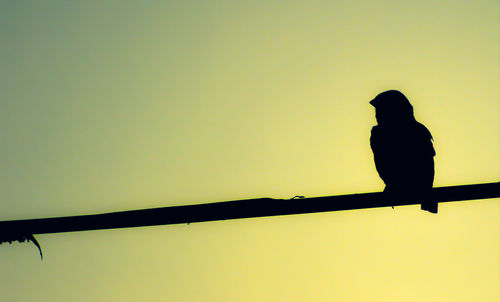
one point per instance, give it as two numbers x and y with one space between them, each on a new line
121 105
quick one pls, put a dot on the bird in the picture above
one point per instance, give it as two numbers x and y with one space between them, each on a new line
403 150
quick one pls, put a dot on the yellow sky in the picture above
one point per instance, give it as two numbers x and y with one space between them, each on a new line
107 106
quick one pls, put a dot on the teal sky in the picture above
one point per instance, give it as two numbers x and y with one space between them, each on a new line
106 106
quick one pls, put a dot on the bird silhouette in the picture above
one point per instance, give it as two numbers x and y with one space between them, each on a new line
402 150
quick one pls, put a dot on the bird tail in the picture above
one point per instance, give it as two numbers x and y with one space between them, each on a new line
430 206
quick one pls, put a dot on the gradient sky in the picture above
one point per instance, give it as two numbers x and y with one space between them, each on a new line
113 105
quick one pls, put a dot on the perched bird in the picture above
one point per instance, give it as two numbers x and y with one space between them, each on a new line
403 150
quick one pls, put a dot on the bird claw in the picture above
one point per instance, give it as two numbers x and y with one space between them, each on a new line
22 238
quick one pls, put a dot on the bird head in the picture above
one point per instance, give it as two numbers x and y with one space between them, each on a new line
392 108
